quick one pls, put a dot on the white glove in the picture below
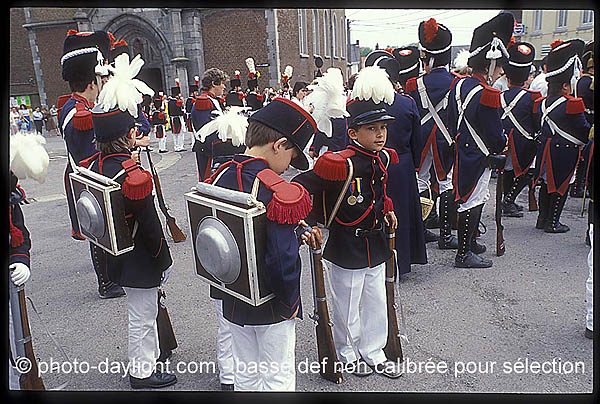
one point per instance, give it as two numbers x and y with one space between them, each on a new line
165 276
19 273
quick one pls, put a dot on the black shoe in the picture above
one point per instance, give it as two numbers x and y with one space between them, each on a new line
432 221
149 148
510 210
164 355
477 248
557 228
109 290
470 260
156 380
589 333
541 223
226 387
448 243
163 151
430 236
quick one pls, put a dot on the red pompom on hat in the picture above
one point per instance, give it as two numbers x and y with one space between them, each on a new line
555 43
431 29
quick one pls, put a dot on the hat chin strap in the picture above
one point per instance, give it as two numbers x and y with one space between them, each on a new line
491 71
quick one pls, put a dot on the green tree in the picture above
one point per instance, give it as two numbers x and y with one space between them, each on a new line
365 50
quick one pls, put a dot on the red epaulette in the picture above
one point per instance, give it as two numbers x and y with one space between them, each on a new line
536 103
161 115
411 84
291 201
394 159
85 163
16 235
259 97
61 102
456 78
332 165
138 183
534 94
179 103
575 105
203 103
490 97
241 95
82 120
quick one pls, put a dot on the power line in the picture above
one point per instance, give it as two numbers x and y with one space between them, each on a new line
359 24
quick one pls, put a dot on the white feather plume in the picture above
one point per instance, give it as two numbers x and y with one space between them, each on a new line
461 60
250 65
123 89
373 83
28 158
236 73
231 125
288 71
328 99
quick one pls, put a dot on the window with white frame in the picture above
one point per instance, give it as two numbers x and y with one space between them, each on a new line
326 34
562 19
588 17
302 35
334 35
316 39
343 37
537 20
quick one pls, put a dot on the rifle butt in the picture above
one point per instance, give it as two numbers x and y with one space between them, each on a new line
176 233
329 366
393 347
166 335
30 380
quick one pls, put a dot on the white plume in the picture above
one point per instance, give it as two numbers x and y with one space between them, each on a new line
28 158
236 73
230 125
250 65
461 60
123 89
328 99
373 83
288 71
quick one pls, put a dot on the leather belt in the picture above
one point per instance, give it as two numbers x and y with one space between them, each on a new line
363 233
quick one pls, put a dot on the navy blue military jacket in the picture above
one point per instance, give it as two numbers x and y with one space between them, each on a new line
255 101
141 267
202 113
79 132
144 125
19 246
584 91
403 134
521 149
344 248
559 156
234 98
483 114
437 84
282 259
175 105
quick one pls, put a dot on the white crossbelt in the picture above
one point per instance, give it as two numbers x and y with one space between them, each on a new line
64 125
554 128
508 112
461 114
433 111
214 113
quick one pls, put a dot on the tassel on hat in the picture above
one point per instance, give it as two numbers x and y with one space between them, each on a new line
431 29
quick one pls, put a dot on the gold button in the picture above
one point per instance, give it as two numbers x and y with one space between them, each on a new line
466 145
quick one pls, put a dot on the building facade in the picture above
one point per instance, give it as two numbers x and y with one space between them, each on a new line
179 43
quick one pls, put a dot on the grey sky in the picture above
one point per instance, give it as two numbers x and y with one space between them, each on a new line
397 27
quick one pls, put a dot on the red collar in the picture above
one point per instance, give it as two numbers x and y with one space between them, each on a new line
81 98
480 77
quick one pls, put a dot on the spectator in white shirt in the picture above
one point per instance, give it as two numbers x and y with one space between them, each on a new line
539 83
38 120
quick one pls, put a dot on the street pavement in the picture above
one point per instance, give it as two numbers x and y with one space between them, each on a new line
515 327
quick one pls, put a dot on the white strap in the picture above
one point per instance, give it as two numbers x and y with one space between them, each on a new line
554 128
433 110
462 107
508 112
64 125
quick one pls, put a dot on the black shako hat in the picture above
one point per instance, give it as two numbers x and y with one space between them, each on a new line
435 41
520 59
84 55
194 87
292 121
236 81
564 61
111 125
118 48
588 56
363 112
489 41
386 61
408 60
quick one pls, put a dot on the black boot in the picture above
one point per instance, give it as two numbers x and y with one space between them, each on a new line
106 288
432 221
447 241
509 207
557 203
543 202
466 229
156 380
576 188
430 236
475 247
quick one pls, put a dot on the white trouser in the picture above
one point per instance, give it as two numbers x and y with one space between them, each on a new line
589 284
361 308
178 138
480 194
13 375
425 175
264 357
224 353
142 306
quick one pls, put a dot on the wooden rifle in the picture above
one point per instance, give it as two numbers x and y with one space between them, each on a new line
533 206
176 233
393 347
500 248
29 380
166 336
325 345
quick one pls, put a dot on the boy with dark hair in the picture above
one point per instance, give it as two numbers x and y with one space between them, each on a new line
275 138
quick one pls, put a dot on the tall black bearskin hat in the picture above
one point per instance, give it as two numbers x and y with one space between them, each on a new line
564 61
292 121
85 55
385 60
409 61
435 42
236 81
588 56
114 114
520 60
118 47
489 43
